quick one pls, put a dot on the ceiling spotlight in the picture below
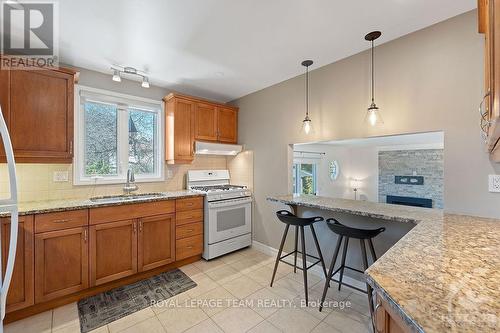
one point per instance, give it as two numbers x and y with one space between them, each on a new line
116 76
145 82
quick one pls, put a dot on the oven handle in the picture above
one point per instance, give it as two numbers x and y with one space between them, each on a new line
228 203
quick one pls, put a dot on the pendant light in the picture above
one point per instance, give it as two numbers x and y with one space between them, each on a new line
373 114
306 123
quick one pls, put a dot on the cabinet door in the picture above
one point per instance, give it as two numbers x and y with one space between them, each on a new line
205 122
228 125
21 290
156 241
41 115
113 251
61 263
180 131
4 101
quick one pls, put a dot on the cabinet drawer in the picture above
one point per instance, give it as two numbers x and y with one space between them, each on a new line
188 230
61 220
188 247
188 204
189 217
130 211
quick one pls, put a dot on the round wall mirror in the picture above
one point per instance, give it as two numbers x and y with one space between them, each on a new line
334 170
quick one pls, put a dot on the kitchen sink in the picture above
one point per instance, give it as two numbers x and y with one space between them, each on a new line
129 197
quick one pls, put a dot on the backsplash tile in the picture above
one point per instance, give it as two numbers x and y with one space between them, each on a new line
35 181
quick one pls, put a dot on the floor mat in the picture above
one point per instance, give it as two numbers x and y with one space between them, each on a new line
106 307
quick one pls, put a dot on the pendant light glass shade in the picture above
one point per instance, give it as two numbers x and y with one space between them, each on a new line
307 122
373 116
307 125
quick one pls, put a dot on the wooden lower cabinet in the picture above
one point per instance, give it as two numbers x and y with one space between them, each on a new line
156 242
21 290
61 263
386 320
113 251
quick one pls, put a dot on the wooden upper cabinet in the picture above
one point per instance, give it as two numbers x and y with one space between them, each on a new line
156 242
189 119
22 290
206 127
489 24
61 263
113 251
4 102
38 105
179 138
228 124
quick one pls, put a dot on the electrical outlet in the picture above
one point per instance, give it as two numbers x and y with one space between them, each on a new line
494 183
60 176
170 174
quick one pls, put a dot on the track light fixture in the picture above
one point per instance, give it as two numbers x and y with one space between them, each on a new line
119 71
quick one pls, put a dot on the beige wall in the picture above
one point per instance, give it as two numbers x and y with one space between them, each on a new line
427 81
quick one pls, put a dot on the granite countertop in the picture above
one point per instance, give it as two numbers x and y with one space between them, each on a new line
39 207
442 276
363 208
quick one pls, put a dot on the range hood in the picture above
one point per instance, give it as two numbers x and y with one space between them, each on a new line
209 148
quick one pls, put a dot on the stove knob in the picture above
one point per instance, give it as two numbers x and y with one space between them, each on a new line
248 193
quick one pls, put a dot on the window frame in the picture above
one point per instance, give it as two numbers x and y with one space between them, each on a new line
126 101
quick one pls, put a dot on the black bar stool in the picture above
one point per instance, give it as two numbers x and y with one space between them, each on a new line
347 232
299 223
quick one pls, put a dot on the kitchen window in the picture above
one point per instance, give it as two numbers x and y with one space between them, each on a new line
115 133
304 178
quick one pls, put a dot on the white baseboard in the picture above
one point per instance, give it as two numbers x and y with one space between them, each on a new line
316 270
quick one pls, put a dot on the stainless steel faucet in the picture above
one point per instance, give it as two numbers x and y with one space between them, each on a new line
130 186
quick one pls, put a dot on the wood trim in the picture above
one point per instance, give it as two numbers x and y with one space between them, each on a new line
94 281
40 267
198 100
29 262
482 13
140 259
38 308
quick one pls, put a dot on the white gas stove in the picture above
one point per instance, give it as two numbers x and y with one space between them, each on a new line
228 212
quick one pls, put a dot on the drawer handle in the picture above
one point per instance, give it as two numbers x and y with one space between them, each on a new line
189 247
61 221
190 230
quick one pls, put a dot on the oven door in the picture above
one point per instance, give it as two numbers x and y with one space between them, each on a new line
229 218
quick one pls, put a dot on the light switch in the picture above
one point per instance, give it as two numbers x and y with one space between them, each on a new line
60 176
494 183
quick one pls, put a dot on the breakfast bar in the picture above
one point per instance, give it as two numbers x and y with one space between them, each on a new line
441 276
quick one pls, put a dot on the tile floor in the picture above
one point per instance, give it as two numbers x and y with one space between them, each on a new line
232 295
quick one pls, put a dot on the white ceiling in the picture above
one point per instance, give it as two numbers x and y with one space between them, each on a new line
225 49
